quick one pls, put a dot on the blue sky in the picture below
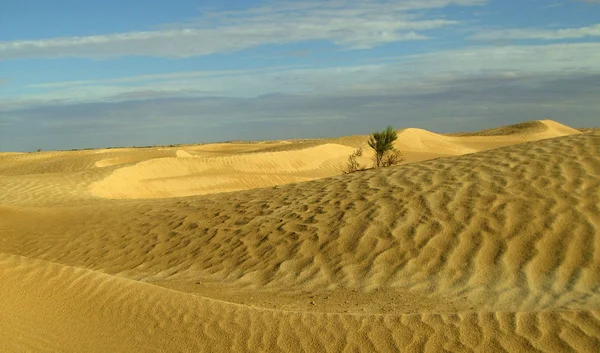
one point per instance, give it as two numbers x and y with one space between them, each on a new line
81 74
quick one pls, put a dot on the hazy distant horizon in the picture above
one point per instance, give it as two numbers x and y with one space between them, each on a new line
246 140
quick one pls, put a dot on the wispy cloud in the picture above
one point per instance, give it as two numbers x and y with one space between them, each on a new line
156 78
412 73
459 104
553 5
544 34
472 85
357 24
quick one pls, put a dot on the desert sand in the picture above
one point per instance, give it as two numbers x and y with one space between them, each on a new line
486 242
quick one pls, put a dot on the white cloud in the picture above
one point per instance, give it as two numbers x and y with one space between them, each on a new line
406 75
354 24
532 33
460 104
158 77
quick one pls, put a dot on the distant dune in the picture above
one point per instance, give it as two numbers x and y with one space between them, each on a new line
232 167
484 242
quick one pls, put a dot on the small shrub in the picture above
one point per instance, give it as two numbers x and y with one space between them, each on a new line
382 142
352 165
392 157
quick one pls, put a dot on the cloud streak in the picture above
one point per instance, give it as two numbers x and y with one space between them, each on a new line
349 25
459 104
473 85
159 77
464 89
533 33
412 73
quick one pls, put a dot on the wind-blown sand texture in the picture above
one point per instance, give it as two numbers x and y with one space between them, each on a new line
492 246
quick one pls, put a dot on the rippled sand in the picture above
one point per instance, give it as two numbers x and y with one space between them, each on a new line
483 242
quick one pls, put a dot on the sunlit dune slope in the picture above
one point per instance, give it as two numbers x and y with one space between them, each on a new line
490 251
275 164
61 308
418 140
188 175
548 128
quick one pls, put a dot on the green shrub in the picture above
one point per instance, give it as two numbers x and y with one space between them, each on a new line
382 142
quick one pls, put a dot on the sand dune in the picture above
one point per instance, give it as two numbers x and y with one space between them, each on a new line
457 144
489 250
188 175
230 167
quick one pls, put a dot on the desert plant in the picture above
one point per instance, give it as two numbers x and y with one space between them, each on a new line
381 142
392 157
352 165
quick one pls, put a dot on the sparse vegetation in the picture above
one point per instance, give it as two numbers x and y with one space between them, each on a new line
588 129
352 165
382 142
386 155
392 157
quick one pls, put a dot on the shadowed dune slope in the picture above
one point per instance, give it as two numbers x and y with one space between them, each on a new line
491 251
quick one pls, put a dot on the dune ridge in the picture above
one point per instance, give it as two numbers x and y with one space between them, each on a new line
284 163
186 174
490 251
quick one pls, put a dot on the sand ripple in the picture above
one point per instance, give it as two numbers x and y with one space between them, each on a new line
492 251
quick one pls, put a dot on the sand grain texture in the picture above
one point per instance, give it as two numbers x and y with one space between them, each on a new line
492 246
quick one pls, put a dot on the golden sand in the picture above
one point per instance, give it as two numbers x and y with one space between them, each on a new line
484 242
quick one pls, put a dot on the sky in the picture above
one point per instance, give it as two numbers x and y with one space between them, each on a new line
86 74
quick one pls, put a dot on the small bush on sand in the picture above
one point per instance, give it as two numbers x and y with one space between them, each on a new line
382 142
352 165
392 157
